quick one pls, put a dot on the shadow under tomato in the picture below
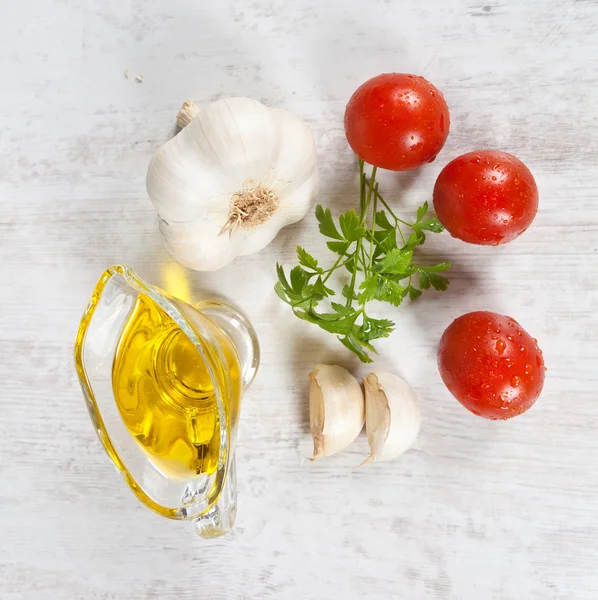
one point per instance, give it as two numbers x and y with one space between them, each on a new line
434 310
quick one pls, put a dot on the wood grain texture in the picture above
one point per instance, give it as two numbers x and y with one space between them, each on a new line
477 510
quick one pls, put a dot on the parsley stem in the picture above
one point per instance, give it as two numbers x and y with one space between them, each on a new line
334 268
401 234
354 274
362 182
363 256
371 185
397 220
373 226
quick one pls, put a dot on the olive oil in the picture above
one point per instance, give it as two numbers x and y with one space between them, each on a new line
165 394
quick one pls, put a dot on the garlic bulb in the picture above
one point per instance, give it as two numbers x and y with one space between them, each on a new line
393 417
336 409
235 174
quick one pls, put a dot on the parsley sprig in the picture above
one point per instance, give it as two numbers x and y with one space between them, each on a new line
381 268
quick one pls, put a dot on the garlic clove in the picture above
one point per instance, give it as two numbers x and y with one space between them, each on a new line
393 418
197 244
336 409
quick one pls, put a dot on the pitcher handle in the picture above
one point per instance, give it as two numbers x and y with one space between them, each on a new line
220 519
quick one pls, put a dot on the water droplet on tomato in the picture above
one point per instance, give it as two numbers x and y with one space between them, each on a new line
500 346
493 178
515 381
485 385
539 361
519 332
510 338
491 373
523 349
528 369
475 160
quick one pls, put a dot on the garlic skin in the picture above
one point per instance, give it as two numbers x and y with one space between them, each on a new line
336 409
235 174
393 418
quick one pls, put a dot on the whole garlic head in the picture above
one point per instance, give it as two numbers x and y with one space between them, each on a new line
235 174
393 418
336 409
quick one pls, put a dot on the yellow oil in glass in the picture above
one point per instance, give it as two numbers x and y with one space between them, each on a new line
165 394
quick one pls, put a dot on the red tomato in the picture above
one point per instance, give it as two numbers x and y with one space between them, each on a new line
397 121
491 365
486 197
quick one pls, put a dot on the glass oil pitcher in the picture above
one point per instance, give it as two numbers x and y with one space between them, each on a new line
163 382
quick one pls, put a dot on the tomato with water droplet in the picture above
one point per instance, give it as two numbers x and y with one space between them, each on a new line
486 197
473 377
397 121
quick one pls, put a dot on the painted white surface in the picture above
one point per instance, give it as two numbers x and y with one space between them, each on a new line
478 510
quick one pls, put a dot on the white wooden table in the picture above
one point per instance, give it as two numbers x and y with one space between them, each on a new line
477 510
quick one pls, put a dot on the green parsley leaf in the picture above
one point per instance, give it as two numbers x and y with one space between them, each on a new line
415 239
347 293
414 293
378 287
341 309
342 325
351 342
373 329
299 279
385 240
327 226
282 278
390 291
288 295
422 211
320 290
439 268
424 280
280 292
369 287
382 221
396 261
432 224
429 276
307 260
339 247
351 226
439 282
